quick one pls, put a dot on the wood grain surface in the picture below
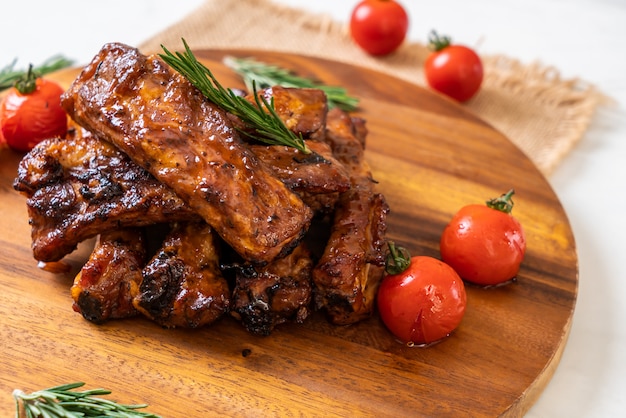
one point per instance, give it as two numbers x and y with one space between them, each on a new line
430 157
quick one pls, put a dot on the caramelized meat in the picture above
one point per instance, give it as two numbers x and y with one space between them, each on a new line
281 291
302 110
359 128
80 187
316 173
165 125
347 276
318 177
183 285
106 285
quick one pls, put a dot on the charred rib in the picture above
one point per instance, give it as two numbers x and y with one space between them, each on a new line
183 285
347 276
165 125
106 285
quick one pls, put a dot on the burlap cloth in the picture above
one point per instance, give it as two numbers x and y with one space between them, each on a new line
543 114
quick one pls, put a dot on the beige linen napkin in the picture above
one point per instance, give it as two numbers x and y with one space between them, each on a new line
543 114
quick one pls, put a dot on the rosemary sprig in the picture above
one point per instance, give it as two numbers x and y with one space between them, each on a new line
63 402
268 75
266 123
9 74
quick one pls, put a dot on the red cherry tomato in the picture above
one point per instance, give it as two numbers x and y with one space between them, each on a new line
379 26
454 70
485 244
423 303
3 141
31 112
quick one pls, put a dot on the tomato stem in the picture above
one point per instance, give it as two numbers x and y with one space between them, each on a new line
398 259
503 203
436 42
28 83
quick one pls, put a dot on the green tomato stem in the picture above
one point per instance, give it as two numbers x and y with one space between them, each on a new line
437 43
398 259
28 83
503 203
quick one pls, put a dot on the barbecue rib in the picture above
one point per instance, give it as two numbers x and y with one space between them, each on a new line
317 178
271 295
317 173
79 187
165 125
347 276
183 285
302 110
106 285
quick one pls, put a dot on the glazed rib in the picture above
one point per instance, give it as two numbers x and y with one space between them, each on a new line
271 295
82 186
79 187
347 276
302 110
106 285
166 126
182 284
317 173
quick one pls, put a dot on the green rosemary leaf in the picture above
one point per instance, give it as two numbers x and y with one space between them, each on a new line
9 74
260 116
267 75
63 402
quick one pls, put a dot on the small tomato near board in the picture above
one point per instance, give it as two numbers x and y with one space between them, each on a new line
31 112
379 26
485 244
454 70
422 300
3 142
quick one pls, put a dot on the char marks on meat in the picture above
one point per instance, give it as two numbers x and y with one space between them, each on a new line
79 187
317 177
318 172
347 276
182 284
265 297
165 125
108 282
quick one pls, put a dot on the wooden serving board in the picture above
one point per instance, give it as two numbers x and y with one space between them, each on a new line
431 157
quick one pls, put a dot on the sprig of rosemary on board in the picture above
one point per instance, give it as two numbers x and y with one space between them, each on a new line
268 75
64 402
9 74
261 115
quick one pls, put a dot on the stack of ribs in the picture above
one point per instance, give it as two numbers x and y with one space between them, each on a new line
193 219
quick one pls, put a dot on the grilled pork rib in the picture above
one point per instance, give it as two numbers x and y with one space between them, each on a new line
166 126
302 110
347 276
79 187
271 295
106 285
183 285
317 178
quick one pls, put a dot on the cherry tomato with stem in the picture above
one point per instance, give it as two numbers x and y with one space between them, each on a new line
379 26
31 112
454 70
421 300
485 244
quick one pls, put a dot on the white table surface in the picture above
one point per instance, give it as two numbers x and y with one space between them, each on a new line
581 38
